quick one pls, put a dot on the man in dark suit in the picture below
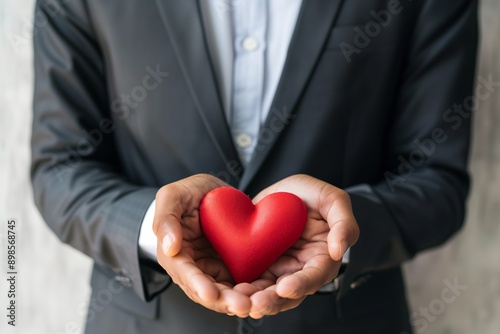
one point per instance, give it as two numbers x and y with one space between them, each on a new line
132 98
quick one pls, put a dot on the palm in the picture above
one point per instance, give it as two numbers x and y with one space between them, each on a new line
314 260
309 250
195 246
308 255
186 254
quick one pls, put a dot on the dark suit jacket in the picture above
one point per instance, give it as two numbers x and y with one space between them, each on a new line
126 101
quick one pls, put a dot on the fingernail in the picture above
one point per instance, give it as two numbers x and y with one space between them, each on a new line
167 243
343 248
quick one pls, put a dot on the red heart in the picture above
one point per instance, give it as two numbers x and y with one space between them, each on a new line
250 238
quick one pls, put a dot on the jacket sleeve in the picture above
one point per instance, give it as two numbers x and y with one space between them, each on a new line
77 182
420 200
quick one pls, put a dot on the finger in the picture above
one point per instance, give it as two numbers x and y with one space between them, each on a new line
170 204
195 283
268 302
205 288
269 190
228 301
299 185
342 235
249 289
246 288
175 200
202 288
217 297
316 273
168 230
304 186
232 302
336 209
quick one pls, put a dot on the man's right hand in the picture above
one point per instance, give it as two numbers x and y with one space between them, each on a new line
185 253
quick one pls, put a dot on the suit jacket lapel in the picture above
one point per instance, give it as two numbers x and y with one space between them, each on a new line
184 27
314 23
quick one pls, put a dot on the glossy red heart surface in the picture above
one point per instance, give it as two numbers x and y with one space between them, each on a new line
248 237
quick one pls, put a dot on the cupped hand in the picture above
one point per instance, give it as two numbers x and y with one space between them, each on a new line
315 258
186 254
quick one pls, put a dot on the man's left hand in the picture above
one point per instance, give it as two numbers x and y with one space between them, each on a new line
315 258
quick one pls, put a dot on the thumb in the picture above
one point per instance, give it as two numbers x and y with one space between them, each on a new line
172 202
169 233
343 234
167 228
169 208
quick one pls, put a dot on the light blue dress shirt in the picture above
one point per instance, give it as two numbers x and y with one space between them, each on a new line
248 43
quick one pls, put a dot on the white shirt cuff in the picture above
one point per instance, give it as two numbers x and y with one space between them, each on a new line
345 259
147 238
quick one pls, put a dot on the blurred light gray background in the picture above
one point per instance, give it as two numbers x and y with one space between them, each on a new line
53 278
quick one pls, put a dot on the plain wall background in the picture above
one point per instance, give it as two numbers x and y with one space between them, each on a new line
53 278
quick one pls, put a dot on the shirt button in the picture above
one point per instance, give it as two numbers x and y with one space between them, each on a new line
243 140
250 44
